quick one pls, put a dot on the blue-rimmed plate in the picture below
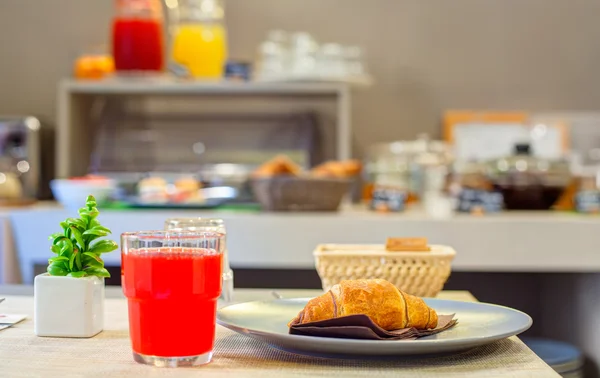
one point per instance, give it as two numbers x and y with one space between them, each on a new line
478 324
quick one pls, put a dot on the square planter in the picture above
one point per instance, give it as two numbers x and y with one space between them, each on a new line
68 307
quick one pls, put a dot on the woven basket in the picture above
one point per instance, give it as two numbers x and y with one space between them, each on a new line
300 194
418 273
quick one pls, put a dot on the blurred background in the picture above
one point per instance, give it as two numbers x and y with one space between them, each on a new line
473 123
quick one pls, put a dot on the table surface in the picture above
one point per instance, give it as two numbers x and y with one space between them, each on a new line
22 354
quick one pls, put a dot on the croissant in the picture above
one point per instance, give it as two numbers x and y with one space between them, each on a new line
278 166
380 300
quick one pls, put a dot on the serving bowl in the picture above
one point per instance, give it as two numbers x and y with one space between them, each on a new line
70 192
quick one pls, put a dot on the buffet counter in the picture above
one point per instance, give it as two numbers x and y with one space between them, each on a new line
504 242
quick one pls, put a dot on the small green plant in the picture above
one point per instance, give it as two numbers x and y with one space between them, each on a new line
76 255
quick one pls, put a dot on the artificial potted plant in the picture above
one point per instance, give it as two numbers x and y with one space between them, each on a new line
69 298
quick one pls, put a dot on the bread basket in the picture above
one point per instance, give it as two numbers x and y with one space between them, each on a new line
418 273
300 193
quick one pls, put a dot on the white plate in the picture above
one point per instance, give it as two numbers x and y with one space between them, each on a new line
478 324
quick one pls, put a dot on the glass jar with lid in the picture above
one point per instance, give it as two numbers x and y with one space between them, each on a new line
528 182
468 174
419 166
200 38
137 36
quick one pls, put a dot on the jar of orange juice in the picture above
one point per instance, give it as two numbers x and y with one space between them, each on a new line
200 39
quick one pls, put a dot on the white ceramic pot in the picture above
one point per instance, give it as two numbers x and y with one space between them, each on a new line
68 307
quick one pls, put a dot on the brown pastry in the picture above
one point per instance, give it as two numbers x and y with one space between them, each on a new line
380 300
353 167
329 169
407 245
278 166
339 169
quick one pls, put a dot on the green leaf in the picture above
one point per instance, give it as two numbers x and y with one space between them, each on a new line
98 231
90 238
99 272
94 223
57 258
58 239
66 250
89 213
55 249
92 262
103 246
77 274
93 256
78 237
77 222
64 225
66 247
55 235
71 261
56 269
77 259
100 227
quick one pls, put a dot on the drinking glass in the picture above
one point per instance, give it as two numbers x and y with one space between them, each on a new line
207 224
172 280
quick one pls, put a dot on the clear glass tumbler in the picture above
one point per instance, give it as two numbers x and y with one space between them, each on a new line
207 224
172 280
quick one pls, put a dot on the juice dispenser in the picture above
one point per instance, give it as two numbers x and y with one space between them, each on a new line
199 39
137 36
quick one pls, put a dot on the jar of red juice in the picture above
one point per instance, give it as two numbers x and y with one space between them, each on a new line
138 37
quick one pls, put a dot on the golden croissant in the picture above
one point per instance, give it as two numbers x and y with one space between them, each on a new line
380 300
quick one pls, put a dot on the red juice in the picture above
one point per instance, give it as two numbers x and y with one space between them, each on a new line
138 44
172 298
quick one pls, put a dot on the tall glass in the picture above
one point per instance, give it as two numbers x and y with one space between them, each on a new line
172 280
207 224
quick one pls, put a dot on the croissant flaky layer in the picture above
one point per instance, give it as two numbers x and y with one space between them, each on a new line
387 306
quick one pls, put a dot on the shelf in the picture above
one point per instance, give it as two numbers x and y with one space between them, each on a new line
80 106
173 87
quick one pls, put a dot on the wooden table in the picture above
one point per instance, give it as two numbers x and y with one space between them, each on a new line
23 355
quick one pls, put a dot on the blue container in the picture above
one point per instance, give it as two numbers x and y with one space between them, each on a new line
238 71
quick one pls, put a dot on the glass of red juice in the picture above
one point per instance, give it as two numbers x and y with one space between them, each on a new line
172 280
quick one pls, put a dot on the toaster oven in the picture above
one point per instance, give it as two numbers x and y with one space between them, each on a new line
20 153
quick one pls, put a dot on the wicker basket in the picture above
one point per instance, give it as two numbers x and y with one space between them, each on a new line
300 194
418 273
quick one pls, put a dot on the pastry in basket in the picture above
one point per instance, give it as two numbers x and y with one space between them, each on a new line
386 306
340 169
278 166
407 245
